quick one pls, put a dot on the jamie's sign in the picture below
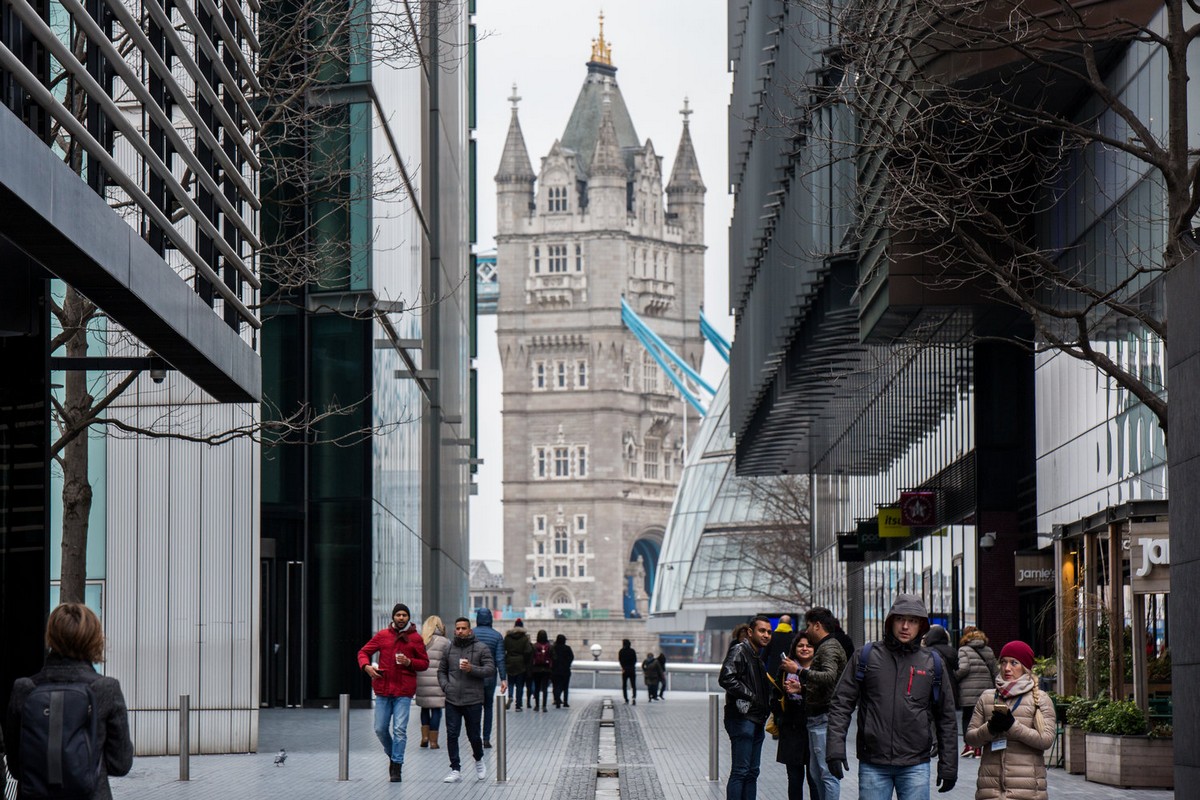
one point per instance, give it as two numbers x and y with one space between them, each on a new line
1034 569
1150 557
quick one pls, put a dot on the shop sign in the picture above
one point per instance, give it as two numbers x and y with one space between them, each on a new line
1034 569
891 525
918 508
848 548
1150 557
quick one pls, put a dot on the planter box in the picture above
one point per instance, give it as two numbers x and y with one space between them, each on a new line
1131 761
1075 750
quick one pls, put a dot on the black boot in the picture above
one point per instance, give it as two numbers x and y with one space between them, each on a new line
394 769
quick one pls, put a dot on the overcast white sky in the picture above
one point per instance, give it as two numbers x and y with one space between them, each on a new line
664 50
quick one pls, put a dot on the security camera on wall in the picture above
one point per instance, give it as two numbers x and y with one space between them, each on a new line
987 541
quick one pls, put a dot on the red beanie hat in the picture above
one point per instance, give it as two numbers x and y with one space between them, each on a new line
1019 651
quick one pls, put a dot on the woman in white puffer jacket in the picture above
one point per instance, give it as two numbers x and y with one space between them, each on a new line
429 696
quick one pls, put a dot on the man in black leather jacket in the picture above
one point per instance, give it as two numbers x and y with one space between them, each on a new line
747 704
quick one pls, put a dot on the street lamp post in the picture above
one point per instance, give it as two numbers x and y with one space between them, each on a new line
596 651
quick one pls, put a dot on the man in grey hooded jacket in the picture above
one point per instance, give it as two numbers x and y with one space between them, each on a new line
899 712
462 674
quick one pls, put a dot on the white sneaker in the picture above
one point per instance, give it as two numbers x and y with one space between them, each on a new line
480 770
454 777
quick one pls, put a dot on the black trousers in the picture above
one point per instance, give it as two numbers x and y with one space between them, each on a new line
795 775
628 679
454 719
562 685
539 687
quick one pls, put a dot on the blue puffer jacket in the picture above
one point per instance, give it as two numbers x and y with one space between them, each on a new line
484 632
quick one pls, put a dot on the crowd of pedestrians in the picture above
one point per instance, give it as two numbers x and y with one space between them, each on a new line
802 686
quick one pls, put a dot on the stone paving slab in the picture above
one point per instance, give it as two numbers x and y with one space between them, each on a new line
664 746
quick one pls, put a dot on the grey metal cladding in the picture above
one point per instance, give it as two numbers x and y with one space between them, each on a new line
47 211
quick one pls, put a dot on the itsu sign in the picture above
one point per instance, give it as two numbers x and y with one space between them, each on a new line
1150 557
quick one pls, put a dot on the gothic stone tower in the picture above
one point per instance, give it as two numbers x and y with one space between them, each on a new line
593 430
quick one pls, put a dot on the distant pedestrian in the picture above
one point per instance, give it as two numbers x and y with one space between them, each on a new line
901 711
835 629
779 641
429 695
976 674
662 664
463 677
540 669
394 680
627 658
747 704
518 655
485 633
791 718
938 639
1014 724
560 671
820 680
75 640
652 675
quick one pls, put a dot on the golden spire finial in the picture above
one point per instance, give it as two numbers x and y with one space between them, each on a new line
601 50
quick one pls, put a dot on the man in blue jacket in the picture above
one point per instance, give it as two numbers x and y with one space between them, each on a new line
484 632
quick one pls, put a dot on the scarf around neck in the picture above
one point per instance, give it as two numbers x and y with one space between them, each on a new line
1013 688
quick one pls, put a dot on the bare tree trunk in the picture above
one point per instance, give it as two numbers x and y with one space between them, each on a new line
77 489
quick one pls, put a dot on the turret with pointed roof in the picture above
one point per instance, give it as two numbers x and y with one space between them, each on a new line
516 177
685 190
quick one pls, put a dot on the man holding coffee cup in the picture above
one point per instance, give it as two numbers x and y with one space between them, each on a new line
394 680
463 675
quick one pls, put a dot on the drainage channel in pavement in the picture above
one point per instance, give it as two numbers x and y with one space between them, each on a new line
608 781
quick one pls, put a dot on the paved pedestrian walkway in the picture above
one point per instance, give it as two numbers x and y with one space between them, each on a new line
662 752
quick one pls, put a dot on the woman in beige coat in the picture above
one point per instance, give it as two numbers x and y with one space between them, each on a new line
1014 724
430 696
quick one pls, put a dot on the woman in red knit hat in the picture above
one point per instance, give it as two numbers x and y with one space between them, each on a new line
1014 724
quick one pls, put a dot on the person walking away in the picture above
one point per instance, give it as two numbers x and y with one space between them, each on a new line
485 633
518 653
463 676
429 694
627 658
938 639
976 674
904 702
651 676
780 640
540 669
662 666
1014 725
792 751
68 694
560 671
820 680
394 680
747 703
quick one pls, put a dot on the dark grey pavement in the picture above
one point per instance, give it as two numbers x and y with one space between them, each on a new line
662 751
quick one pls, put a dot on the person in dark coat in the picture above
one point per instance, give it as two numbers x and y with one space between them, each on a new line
652 675
75 638
627 657
540 669
518 656
662 666
560 672
485 633
788 706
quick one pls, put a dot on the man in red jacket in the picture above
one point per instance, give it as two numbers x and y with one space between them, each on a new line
394 680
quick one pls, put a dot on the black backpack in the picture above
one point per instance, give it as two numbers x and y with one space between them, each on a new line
60 753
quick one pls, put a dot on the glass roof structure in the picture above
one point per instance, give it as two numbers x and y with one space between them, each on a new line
703 575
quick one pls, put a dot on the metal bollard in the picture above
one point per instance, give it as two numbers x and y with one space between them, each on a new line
343 737
185 739
714 737
501 740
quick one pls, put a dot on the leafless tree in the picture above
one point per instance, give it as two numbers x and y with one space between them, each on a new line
976 120
778 543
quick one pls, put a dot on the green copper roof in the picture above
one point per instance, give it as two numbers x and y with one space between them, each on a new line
583 128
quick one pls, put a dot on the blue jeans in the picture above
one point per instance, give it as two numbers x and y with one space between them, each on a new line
745 747
824 785
393 710
876 782
431 717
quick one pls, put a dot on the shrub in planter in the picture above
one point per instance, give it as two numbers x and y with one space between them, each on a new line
1081 708
1122 718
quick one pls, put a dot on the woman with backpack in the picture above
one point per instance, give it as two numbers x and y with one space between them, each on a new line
75 639
976 674
539 671
430 696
